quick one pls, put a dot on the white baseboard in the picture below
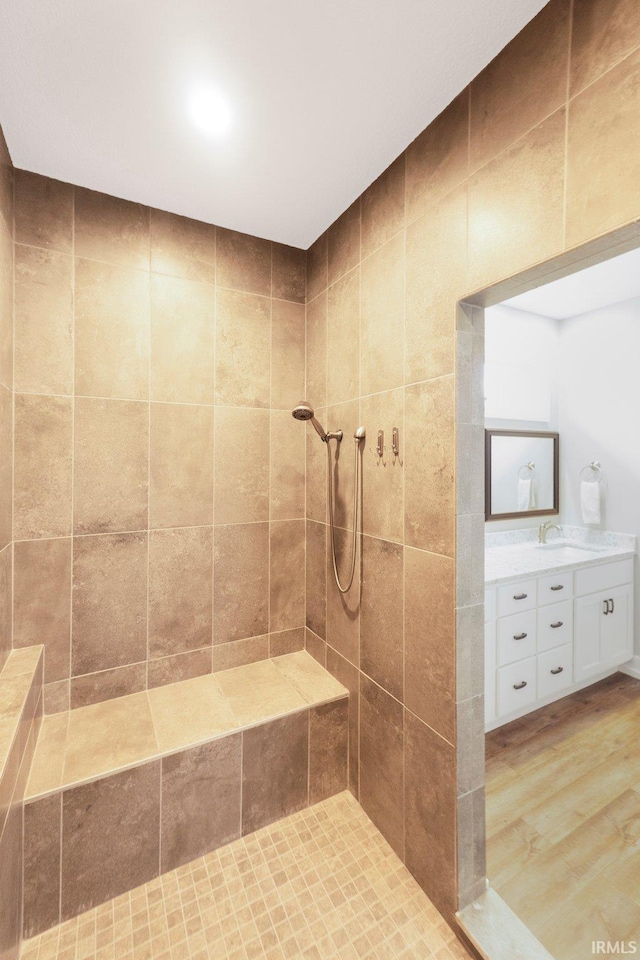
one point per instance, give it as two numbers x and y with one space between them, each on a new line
632 668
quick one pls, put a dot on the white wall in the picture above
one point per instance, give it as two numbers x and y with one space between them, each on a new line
521 357
599 416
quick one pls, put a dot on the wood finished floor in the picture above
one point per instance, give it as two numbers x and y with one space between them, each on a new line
563 818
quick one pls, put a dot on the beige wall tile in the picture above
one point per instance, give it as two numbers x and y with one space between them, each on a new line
42 469
43 321
56 696
343 339
382 614
289 273
241 581
6 464
241 471
6 181
41 891
316 577
430 663
200 800
180 590
383 207
287 354
382 317
328 749
181 465
436 277
237 653
317 267
437 160
181 666
316 469
6 306
316 647
243 348
282 747
108 684
43 210
381 761
42 601
182 340
11 882
110 229
243 262
111 453
5 604
287 493
286 641
316 350
109 625
430 813
524 84
110 837
343 610
182 247
343 243
382 497
515 205
286 578
429 464
111 331
349 677
603 162
345 417
603 33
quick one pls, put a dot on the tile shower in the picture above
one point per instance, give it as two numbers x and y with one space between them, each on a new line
157 501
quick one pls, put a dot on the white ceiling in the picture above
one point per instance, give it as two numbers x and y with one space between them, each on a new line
324 94
599 286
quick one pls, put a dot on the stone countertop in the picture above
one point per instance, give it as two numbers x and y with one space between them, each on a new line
517 561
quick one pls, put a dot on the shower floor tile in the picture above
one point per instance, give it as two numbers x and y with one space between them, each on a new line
322 884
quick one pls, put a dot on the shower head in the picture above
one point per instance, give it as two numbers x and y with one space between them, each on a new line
304 411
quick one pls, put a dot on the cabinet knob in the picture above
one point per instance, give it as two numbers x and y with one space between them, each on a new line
520 596
519 686
519 636
554 626
559 586
558 670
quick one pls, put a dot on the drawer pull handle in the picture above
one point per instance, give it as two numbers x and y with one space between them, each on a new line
520 596
554 626
519 636
519 686
558 670
560 586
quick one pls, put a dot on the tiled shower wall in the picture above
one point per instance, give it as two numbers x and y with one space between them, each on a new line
6 393
541 153
159 476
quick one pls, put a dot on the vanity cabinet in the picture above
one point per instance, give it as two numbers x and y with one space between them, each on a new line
547 636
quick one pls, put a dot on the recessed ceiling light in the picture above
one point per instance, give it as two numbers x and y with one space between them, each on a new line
209 111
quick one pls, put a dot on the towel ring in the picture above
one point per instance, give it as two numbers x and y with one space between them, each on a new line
596 468
527 466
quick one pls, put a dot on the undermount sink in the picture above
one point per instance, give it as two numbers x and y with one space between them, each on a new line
569 551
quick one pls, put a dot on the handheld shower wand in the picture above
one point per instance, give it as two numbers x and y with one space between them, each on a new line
304 411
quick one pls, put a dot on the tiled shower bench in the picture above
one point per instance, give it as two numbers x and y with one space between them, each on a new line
122 791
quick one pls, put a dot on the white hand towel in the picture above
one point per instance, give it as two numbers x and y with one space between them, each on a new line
590 501
526 494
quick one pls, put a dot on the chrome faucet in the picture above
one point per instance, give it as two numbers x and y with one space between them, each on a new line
544 529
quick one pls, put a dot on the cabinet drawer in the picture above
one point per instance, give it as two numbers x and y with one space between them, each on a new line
516 597
516 637
557 587
603 576
516 686
555 670
555 625
489 605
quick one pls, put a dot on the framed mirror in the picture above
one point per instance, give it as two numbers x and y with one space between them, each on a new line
522 474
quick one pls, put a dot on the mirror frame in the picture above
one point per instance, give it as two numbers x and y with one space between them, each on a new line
519 514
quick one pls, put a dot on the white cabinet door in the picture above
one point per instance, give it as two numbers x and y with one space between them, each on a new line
603 636
588 614
616 640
